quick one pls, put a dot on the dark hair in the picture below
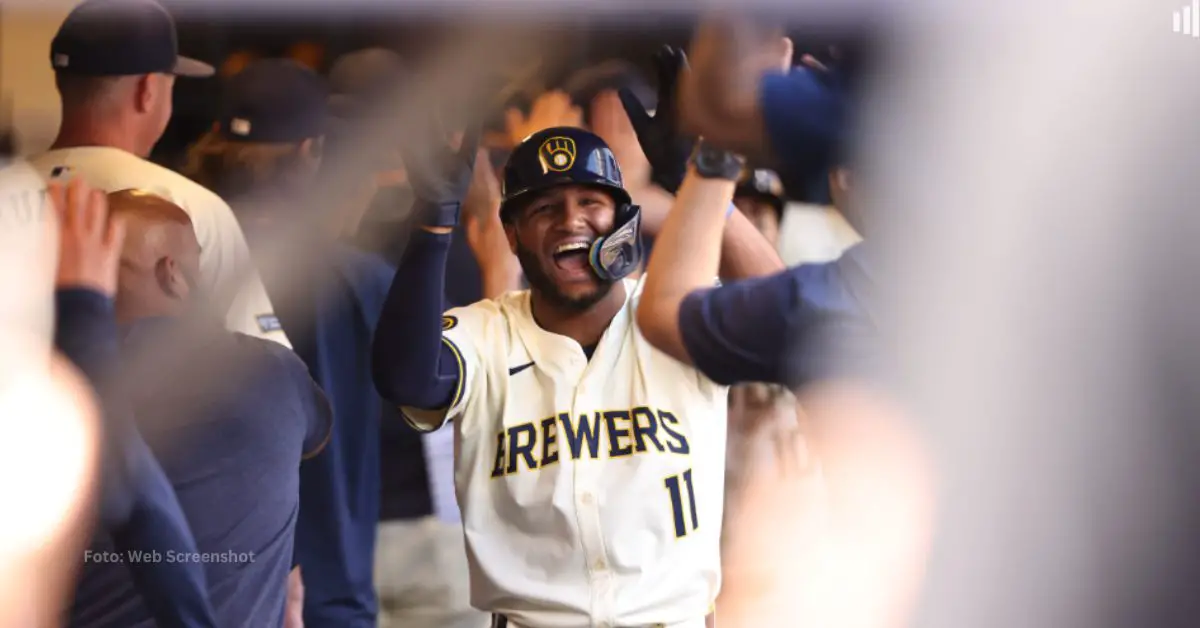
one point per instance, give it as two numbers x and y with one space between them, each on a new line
233 169
78 89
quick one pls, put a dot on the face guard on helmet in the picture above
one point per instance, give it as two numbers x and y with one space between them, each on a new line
570 156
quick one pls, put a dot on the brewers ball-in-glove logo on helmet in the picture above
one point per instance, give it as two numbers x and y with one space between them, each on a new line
558 154
570 156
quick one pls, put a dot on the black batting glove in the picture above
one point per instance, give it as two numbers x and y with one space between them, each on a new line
665 147
438 174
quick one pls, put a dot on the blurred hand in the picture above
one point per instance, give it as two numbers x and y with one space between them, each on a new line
839 543
483 197
89 243
553 108
728 58
666 148
485 231
612 124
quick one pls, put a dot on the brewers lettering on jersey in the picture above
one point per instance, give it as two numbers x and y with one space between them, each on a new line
589 465
591 490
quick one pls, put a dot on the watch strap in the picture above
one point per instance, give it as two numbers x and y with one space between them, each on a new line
711 162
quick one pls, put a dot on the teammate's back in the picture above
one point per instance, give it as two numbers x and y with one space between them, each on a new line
115 65
228 424
231 448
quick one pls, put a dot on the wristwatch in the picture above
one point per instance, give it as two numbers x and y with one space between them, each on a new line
711 162
442 214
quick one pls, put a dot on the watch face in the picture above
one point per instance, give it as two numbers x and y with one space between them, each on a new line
717 163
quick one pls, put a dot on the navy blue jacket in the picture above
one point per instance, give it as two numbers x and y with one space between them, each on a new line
139 512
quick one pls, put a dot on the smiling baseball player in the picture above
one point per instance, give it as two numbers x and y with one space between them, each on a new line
590 466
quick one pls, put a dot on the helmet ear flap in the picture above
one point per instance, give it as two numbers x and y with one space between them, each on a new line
621 252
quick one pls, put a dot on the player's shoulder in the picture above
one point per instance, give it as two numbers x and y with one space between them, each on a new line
270 355
487 312
113 169
21 188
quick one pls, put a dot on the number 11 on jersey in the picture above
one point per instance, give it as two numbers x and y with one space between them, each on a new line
676 488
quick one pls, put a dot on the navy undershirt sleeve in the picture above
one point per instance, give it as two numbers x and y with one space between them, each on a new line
735 332
139 507
410 363
798 325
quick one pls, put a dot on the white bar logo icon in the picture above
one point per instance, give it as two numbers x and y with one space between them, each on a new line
1187 20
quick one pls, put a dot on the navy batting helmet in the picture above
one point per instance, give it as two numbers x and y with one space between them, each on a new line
571 156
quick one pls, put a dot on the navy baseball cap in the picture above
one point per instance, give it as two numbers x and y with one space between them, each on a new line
121 38
274 101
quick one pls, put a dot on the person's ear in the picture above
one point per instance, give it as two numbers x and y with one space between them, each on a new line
171 279
145 93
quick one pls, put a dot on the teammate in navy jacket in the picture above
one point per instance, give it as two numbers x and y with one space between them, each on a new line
139 511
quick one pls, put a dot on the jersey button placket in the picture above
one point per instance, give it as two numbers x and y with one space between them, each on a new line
587 472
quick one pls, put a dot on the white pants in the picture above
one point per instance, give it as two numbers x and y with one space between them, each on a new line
421 576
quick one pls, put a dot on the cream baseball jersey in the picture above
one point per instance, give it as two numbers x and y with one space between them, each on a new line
591 491
28 261
225 263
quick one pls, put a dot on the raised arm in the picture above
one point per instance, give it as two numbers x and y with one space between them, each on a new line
410 363
138 505
702 236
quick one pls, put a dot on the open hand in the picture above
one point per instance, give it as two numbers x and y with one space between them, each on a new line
89 242
485 232
728 58
551 109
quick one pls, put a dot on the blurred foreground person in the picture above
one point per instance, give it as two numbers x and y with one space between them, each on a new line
362 85
29 237
420 571
229 436
50 460
115 64
1050 325
54 436
264 155
140 516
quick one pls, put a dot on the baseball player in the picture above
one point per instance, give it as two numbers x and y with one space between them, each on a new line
115 64
590 466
